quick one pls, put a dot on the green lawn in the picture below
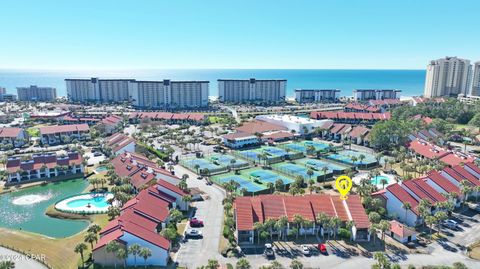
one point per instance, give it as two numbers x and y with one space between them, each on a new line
33 132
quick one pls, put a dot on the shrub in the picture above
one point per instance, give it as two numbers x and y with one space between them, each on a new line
344 233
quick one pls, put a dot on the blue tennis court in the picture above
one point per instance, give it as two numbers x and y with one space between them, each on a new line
316 145
244 183
201 163
225 160
318 165
270 177
275 151
296 147
295 170
346 156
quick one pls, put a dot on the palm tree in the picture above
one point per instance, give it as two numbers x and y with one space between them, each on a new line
430 221
335 224
94 228
270 224
406 206
243 264
113 247
296 264
440 216
361 158
324 170
465 188
321 219
259 227
134 249
196 167
80 248
384 226
298 220
212 264
384 182
373 231
145 253
122 254
280 226
90 238
310 173
232 163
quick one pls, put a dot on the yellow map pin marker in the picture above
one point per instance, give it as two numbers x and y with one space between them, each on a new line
343 184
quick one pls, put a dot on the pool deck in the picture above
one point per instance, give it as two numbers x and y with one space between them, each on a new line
360 176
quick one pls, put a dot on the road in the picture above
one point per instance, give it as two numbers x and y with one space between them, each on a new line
20 260
196 252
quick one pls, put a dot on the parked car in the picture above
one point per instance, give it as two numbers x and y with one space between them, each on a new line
193 233
476 208
450 223
305 250
269 253
97 154
194 222
323 249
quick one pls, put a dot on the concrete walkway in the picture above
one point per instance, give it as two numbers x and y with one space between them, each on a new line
21 260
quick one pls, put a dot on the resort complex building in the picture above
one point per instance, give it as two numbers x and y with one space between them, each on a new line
57 134
252 90
16 137
141 220
317 95
295 124
141 171
111 124
255 132
424 149
476 80
120 143
375 94
250 210
168 94
448 76
167 117
351 117
35 93
44 166
164 94
8 97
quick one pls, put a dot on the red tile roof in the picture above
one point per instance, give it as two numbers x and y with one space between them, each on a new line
359 131
403 196
443 183
260 208
147 235
258 126
39 160
349 115
118 141
278 135
236 135
112 120
171 187
456 158
401 230
427 149
435 195
465 175
10 132
168 116
63 129
107 238
472 166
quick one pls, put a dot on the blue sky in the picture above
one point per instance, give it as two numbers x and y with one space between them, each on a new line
115 34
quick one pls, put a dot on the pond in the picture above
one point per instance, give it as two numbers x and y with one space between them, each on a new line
25 209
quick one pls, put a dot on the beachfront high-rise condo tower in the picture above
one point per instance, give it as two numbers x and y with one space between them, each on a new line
448 76
317 95
252 90
169 94
476 80
164 94
35 93
375 94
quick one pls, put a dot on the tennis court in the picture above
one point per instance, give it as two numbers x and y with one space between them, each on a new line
270 177
347 156
295 170
275 151
303 146
226 160
201 163
243 182
318 165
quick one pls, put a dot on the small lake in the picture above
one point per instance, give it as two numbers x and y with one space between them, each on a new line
25 209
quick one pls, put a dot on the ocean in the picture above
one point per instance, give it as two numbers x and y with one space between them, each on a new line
410 82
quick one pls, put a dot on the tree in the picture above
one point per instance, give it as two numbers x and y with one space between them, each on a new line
440 216
381 261
7 264
113 212
113 247
384 226
459 265
259 227
430 221
212 264
270 225
243 264
374 217
90 238
296 264
94 228
310 173
335 223
321 219
122 254
145 253
298 220
134 249
80 248
280 226
406 206
275 265
175 216
373 232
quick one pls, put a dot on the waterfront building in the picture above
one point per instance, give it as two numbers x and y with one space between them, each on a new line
51 135
448 76
169 94
252 90
98 90
169 118
44 166
3 90
375 94
35 93
8 97
476 80
317 95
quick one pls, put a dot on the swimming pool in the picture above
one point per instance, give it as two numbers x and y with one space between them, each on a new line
89 203
101 169
378 180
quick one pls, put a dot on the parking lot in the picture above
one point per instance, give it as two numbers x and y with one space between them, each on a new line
468 228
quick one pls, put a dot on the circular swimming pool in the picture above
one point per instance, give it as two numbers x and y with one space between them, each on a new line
86 203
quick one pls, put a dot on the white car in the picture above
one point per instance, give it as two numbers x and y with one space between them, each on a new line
450 224
193 233
305 250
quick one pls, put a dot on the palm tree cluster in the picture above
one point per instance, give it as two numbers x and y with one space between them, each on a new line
90 237
121 252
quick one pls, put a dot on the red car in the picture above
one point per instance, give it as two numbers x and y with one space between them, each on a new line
322 248
194 222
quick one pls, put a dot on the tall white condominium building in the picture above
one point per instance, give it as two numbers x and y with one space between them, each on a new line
448 76
375 94
476 80
98 90
3 90
250 90
35 93
168 94
316 95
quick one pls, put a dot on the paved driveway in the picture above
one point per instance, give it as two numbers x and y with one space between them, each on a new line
196 252
468 230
